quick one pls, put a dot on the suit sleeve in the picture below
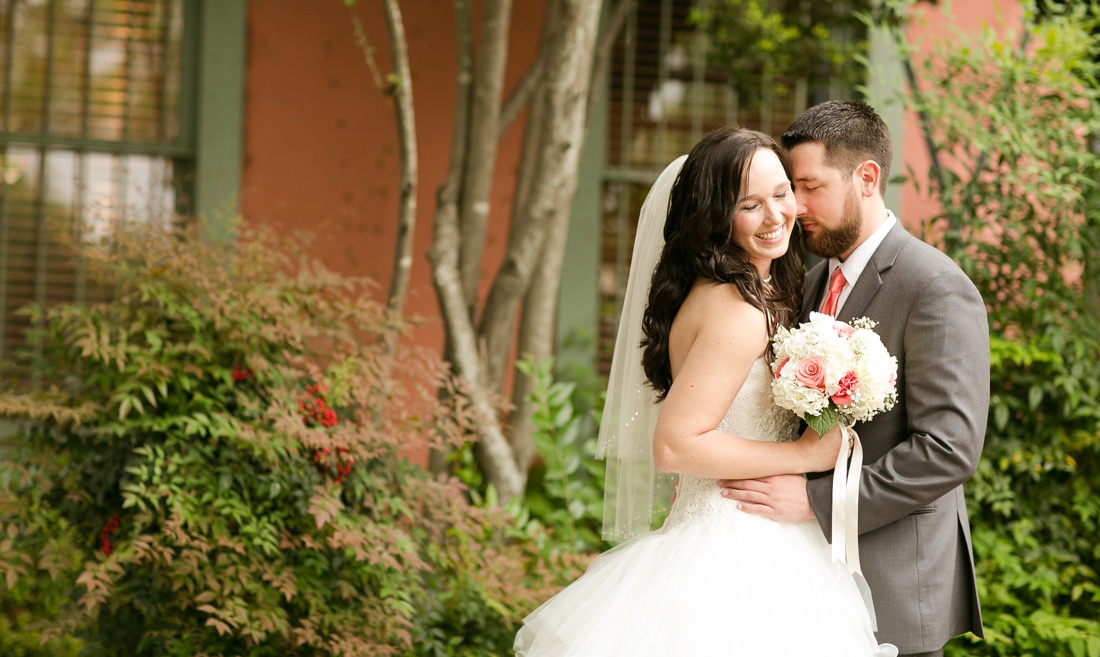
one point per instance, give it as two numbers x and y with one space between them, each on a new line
946 394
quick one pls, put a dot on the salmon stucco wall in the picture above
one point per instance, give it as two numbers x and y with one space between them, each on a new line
321 149
932 26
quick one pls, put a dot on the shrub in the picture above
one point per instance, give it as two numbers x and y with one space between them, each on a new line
1021 214
213 463
565 489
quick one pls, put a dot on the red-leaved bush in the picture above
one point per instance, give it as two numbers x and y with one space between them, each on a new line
213 463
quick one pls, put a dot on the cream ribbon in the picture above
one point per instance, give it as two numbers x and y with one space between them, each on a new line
846 478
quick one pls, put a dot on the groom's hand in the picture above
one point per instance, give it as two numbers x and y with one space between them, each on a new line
780 497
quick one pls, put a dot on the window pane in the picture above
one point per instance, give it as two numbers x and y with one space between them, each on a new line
20 191
89 101
26 28
663 98
97 70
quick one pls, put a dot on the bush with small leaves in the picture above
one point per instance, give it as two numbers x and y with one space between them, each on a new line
1020 200
213 462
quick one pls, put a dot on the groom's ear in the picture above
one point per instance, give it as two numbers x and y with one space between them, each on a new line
867 176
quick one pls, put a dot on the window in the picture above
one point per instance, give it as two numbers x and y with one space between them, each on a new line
96 123
663 99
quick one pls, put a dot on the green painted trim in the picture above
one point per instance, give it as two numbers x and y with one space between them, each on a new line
579 297
80 144
222 40
886 93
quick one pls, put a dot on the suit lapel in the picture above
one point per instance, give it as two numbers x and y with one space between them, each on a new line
870 280
812 289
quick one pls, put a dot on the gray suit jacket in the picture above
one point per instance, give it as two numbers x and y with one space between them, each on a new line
914 539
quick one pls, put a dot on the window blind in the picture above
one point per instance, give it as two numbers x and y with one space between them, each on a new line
664 96
94 127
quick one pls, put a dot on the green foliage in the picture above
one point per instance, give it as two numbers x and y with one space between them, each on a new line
217 466
764 44
1021 214
557 523
565 489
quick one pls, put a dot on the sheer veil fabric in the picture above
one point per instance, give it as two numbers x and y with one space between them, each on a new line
633 489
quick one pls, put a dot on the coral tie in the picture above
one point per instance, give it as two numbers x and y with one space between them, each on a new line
836 284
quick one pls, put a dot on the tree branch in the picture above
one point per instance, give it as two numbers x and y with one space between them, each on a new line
402 91
368 51
565 103
481 150
525 236
492 449
520 95
448 190
536 335
604 50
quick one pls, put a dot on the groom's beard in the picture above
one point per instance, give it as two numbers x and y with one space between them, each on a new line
832 242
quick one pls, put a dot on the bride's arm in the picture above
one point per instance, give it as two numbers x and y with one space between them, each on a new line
729 338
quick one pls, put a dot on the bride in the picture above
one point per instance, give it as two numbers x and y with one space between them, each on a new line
690 394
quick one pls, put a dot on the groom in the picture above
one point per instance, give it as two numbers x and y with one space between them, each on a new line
914 534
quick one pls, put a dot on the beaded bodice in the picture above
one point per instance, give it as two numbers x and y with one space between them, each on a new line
752 415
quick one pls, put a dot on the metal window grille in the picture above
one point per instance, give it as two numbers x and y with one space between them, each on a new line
94 126
663 98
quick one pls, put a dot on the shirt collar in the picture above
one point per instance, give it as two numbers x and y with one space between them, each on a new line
855 264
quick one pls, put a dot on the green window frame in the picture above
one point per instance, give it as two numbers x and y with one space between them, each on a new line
661 98
128 109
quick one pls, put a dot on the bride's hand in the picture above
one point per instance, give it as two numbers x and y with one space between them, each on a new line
820 453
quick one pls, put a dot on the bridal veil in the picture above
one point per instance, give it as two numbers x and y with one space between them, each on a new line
634 490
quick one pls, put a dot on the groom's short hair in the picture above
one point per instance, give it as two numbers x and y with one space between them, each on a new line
852 133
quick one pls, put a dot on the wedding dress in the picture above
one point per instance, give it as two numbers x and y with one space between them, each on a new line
713 580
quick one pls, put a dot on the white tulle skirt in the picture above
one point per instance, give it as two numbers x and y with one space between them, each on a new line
753 587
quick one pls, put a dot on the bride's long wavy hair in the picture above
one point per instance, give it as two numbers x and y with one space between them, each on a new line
699 245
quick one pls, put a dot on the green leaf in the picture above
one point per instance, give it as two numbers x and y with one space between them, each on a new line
148 392
560 393
564 415
1035 396
822 423
1000 417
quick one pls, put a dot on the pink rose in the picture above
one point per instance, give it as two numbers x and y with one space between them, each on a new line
779 370
893 378
843 330
843 395
810 372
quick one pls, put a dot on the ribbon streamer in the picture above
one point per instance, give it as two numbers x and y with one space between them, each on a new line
845 546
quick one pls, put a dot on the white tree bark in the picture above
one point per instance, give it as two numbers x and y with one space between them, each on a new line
483 138
402 90
537 328
560 83
449 239
447 200
525 235
493 452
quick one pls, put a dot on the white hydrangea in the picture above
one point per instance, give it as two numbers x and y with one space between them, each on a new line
824 363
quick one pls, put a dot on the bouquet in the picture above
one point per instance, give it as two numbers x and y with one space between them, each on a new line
828 371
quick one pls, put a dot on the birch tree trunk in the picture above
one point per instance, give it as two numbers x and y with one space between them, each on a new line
483 138
557 93
552 152
401 86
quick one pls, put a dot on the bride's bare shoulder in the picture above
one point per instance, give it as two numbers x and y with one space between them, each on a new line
716 325
717 314
720 306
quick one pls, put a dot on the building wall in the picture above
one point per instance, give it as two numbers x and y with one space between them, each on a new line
321 149
930 28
